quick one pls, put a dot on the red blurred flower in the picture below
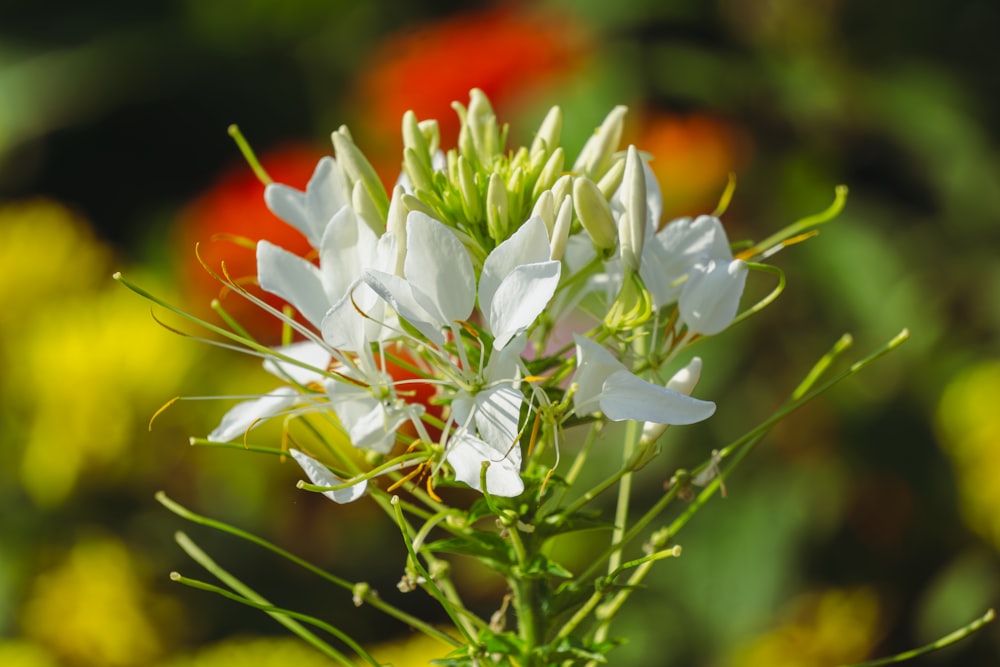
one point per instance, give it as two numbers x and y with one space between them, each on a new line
233 208
505 51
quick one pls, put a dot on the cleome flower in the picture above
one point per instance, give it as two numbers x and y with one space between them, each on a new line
465 277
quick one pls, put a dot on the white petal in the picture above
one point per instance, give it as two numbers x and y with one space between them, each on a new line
399 294
325 195
593 366
439 268
669 256
498 411
627 396
246 415
320 475
466 454
309 353
289 204
294 279
711 296
521 298
347 248
528 245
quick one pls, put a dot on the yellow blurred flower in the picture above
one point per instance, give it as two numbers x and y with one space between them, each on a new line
829 628
20 653
969 428
255 651
77 352
46 252
92 610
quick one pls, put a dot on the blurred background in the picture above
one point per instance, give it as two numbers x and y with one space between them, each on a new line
866 524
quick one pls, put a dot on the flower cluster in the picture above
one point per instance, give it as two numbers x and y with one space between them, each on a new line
452 330
456 325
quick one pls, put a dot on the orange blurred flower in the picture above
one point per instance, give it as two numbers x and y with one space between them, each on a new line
694 157
506 51
233 208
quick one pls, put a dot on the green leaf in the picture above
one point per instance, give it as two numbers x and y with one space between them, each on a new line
488 547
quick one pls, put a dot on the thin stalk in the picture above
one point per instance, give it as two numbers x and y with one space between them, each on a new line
228 579
368 596
278 611
947 640
633 431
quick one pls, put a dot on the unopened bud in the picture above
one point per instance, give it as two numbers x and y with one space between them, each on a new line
595 158
560 230
632 225
547 138
357 169
550 172
594 213
497 211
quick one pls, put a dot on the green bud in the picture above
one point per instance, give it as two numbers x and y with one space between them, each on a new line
472 200
418 170
547 138
481 122
396 224
414 138
562 187
362 202
632 226
497 209
413 204
594 213
595 158
612 177
550 172
432 135
545 208
357 169
560 230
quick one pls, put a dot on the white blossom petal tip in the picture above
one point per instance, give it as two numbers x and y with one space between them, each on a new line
320 475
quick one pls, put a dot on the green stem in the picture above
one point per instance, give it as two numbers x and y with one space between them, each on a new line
525 590
947 640
368 596
249 594
278 611
633 431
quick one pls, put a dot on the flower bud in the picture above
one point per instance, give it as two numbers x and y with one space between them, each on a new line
357 169
612 178
545 208
497 211
472 201
560 230
594 213
547 138
550 172
597 153
632 225
396 225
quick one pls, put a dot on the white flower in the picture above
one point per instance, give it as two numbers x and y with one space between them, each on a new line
605 385
371 415
670 255
347 247
438 287
308 361
488 423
